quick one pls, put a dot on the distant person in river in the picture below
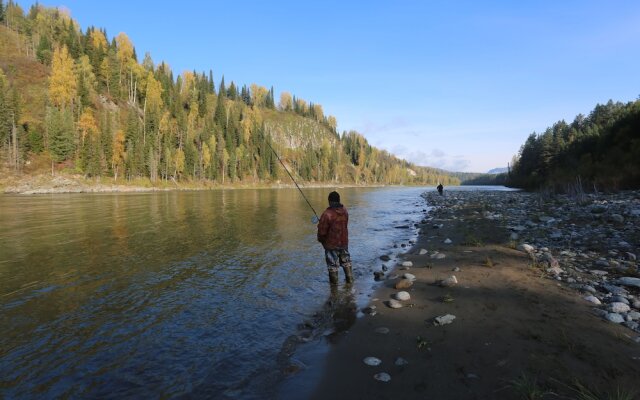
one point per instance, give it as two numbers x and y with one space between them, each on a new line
333 233
440 188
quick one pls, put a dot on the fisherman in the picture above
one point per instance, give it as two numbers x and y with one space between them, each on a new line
440 188
333 233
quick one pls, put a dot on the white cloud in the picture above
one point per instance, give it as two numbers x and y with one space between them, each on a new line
434 158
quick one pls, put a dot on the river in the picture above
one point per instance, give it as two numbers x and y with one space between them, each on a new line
175 294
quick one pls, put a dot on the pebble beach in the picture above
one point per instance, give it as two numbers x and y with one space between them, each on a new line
503 295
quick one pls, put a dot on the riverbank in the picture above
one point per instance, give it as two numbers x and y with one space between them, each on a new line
70 183
537 282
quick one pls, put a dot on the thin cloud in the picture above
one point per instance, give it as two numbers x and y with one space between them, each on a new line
435 158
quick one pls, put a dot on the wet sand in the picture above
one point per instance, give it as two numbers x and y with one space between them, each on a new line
517 333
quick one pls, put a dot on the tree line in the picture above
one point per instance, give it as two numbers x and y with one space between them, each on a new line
106 113
598 151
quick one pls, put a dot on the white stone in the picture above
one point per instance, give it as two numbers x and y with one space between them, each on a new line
593 299
410 277
598 272
423 252
438 256
615 318
372 361
403 296
618 307
450 281
407 264
629 281
633 315
382 377
526 248
447 241
444 319
393 303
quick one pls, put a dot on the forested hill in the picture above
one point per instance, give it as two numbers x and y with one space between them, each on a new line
80 102
601 150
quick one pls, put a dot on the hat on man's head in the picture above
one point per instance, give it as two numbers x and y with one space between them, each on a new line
334 197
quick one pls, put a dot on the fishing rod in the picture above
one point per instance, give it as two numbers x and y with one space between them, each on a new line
313 220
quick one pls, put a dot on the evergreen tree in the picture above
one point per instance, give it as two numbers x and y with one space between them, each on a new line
222 89
60 128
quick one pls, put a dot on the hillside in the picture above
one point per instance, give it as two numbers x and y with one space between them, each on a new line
79 102
597 152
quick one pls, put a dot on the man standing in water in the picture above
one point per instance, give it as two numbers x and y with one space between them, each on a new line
333 233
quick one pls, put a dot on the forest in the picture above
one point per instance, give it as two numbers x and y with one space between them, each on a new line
80 102
597 152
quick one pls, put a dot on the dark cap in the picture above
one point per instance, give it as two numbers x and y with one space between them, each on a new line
334 197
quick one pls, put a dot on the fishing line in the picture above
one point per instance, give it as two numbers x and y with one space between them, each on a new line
314 220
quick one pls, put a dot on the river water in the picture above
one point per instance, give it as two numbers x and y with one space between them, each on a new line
176 294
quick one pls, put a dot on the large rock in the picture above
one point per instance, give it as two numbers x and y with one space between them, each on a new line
613 289
618 307
593 299
393 303
617 218
615 318
403 284
448 282
629 281
444 319
527 248
404 296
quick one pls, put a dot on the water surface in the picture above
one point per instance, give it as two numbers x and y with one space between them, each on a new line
172 294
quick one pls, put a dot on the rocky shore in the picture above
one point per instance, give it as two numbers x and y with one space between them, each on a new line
590 242
505 295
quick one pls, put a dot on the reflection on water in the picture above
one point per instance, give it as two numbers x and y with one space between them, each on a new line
176 293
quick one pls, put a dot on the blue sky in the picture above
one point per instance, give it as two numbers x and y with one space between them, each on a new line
455 85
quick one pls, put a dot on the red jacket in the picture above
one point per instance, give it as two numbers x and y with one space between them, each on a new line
332 228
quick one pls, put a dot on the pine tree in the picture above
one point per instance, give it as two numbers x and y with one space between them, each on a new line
212 85
60 128
222 90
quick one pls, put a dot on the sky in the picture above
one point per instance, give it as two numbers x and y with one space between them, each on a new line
457 85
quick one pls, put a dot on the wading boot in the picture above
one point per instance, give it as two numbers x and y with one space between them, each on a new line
333 277
348 273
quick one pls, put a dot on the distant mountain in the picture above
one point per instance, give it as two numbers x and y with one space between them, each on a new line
498 170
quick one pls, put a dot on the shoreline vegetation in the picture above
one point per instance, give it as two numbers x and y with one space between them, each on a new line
72 183
504 295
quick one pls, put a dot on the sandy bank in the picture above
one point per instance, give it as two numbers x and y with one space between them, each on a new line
520 330
65 183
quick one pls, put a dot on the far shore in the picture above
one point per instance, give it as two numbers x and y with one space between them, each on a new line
69 183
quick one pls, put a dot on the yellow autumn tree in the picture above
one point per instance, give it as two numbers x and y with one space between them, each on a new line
154 94
318 112
286 101
98 39
206 157
117 158
179 161
258 95
87 125
62 83
332 122
302 105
